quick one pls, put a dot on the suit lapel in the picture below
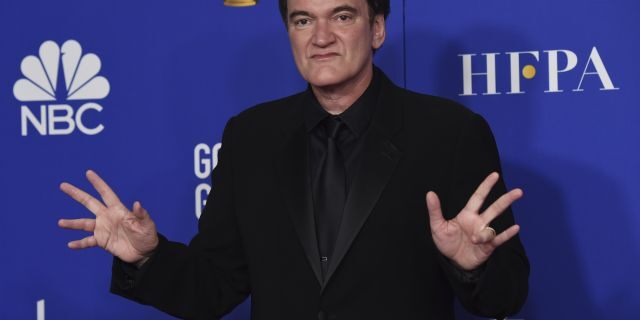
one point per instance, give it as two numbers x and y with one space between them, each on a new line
379 159
291 166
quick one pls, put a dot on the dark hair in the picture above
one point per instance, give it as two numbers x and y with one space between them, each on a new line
375 7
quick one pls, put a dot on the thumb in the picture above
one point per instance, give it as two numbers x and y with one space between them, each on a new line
435 211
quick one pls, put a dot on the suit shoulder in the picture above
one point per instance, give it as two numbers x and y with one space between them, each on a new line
269 110
440 108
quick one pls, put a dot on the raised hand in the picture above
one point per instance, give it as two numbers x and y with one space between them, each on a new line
467 239
129 235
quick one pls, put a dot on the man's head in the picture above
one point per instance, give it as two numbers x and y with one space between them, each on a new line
333 40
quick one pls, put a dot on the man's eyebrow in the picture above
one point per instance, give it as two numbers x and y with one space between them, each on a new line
296 13
335 10
345 7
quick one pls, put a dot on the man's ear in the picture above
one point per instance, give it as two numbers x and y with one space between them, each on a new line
379 29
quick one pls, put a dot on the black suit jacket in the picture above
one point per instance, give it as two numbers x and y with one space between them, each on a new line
256 235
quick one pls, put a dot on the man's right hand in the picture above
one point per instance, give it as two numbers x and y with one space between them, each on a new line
128 235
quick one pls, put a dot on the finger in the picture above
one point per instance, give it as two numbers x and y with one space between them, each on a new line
108 196
82 197
483 236
500 205
435 210
78 224
477 198
504 236
138 211
87 242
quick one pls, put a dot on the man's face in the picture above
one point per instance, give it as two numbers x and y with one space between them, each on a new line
332 40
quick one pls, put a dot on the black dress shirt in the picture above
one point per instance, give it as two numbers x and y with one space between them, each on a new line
357 119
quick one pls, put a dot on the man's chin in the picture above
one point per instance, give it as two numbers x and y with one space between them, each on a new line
327 78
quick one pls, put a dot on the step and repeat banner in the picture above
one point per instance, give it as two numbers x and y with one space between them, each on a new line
140 91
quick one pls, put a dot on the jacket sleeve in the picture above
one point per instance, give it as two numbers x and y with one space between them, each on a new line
205 279
499 287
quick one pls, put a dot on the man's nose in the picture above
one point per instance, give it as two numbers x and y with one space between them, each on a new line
323 34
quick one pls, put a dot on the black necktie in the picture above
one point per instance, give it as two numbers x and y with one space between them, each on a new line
331 192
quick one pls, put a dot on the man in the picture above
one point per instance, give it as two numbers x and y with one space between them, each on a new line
332 224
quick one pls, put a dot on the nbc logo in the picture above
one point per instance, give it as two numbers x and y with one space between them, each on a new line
42 83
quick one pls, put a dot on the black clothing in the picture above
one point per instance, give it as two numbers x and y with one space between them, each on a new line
331 169
257 233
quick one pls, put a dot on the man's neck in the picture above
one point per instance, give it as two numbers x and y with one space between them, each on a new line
336 99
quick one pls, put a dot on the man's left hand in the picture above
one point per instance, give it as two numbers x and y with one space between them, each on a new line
467 239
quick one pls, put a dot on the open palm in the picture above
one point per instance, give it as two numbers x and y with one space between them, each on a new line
129 235
467 239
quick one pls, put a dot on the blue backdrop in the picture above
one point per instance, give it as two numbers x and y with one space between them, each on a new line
144 89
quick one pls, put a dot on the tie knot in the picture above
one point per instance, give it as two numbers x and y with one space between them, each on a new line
333 125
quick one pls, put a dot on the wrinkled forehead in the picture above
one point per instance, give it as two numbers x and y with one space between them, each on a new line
324 6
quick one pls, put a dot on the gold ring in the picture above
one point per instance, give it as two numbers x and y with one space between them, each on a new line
493 231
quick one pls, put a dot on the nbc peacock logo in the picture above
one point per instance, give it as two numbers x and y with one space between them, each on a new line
78 84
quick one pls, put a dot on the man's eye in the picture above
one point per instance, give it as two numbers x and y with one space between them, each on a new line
343 17
301 22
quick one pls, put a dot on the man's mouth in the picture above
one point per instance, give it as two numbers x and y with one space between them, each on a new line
324 56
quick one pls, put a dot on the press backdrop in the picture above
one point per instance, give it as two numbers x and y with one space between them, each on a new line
140 92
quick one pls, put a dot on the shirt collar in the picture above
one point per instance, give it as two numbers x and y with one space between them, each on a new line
357 117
